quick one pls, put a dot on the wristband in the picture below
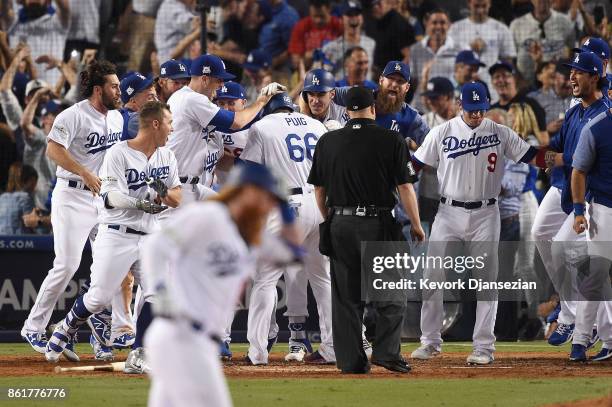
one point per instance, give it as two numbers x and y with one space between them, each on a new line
287 213
579 209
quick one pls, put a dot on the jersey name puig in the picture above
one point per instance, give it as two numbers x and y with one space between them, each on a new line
96 142
457 148
138 179
295 121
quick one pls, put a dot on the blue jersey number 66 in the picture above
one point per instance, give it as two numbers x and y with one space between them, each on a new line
299 149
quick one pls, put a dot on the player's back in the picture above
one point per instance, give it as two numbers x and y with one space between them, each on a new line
285 142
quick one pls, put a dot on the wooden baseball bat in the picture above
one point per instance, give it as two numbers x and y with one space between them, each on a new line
111 367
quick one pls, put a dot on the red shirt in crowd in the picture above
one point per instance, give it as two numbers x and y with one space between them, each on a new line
307 37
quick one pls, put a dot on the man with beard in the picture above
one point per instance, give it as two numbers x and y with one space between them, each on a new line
77 143
173 76
46 30
391 111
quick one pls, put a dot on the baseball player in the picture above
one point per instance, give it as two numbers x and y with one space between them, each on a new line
317 99
136 90
173 76
194 301
592 166
600 48
77 143
552 223
284 141
469 153
196 116
135 174
391 110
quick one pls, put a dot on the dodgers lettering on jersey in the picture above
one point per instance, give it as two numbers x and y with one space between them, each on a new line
87 134
214 154
470 162
285 142
126 170
194 117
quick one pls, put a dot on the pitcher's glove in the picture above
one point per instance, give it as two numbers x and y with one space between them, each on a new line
159 187
149 207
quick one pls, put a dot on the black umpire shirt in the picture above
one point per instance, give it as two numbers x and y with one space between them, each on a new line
361 164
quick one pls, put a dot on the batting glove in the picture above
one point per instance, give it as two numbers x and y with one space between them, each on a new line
159 187
149 207
272 89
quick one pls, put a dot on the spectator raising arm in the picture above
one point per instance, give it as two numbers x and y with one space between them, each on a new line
28 114
10 105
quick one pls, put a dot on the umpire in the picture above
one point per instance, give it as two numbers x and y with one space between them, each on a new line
357 172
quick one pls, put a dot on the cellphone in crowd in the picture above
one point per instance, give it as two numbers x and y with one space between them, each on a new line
76 55
561 115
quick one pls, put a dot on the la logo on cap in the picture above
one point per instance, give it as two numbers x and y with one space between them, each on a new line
206 69
398 67
315 80
163 71
250 58
182 67
475 96
577 59
223 89
430 86
129 90
587 41
287 99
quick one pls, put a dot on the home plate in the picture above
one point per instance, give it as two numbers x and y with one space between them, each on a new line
480 367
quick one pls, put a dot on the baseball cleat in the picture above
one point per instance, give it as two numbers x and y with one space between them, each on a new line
480 358
69 352
298 348
136 363
563 334
578 353
124 341
271 343
367 348
316 358
594 339
554 314
248 361
225 352
604 354
425 352
100 327
101 352
57 343
37 340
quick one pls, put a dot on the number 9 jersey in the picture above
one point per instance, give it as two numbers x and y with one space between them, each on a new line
284 142
470 162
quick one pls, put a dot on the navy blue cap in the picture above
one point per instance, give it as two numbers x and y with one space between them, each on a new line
397 67
133 83
468 57
438 86
501 65
174 69
587 62
51 107
252 173
597 45
210 65
474 97
231 90
257 60
352 8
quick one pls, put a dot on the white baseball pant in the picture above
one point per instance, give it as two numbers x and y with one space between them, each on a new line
479 230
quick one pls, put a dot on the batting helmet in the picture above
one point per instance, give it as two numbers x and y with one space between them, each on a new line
252 173
279 101
318 80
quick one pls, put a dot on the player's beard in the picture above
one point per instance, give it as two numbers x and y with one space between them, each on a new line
384 104
109 102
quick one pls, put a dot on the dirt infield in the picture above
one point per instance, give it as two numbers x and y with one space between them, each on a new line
507 365
600 402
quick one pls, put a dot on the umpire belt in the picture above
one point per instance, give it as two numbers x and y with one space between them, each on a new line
370 211
189 180
126 229
468 205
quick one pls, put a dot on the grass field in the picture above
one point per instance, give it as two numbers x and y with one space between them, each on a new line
374 390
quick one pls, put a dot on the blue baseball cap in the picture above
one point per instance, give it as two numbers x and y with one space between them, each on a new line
210 65
468 57
133 83
501 65
597 45
257 59
586 62
438 86
231 90
397 67
252 173
352 8
51 107
474 97
173 69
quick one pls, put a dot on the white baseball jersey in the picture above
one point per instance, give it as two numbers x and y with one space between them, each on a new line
213 155
194 116
126 170
337 113
235 142
86 134
285 142
470 162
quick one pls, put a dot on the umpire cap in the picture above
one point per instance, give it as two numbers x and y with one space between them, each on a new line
252 173
279 101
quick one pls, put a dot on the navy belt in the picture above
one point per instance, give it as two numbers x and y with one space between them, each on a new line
127 230
194 180
296 191
75 184
362 211
467 205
